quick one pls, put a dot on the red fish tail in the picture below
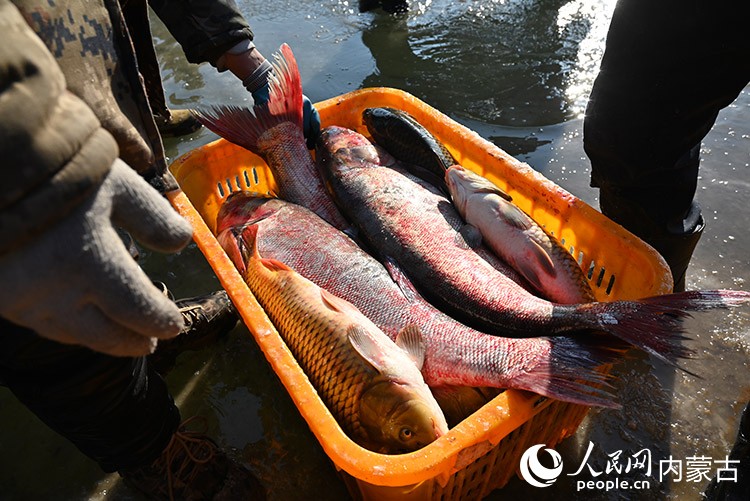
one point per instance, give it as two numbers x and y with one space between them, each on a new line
242 126
286 88
572 372
655 324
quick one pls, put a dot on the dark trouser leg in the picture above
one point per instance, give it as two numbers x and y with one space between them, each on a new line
725 488
117 411
668 69
136 17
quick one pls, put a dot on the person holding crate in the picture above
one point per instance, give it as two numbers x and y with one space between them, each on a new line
82 158
669 67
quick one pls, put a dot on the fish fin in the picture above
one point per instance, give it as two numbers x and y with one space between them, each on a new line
364 344
248 246
572 371
512 215
541 260
528 272
243 126
655 324
469 235
495 190
410 340
403 282
336 303
274 264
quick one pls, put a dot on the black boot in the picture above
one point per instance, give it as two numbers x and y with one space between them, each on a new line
675 241
726 489
206 319
677 245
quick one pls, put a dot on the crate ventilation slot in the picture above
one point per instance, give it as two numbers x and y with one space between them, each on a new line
230 185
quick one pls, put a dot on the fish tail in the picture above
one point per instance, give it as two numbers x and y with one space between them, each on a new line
572 372
243 126
655 324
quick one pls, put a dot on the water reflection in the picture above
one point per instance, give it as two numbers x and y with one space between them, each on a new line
514 63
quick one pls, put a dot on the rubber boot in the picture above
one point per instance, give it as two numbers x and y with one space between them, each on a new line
677 249
726 488
675 241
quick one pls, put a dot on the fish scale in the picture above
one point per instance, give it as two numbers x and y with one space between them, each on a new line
454 353
425 240
317 344
372 386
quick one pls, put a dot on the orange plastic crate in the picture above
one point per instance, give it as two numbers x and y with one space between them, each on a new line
481 453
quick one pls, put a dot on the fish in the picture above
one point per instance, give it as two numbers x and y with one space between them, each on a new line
516 238
274 132
489 211
408 141
405 219
562 368
459 402
371 384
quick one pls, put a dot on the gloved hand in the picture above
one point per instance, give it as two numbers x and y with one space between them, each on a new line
249 65
77 283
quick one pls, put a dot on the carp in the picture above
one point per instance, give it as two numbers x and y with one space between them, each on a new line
454 354
516 238
371 384
407 220
410 142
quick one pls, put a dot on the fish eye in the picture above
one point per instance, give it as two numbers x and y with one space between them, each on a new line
406 434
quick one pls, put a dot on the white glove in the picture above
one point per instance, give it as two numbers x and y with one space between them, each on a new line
77 283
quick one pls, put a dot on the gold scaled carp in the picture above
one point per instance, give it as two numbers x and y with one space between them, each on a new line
372 385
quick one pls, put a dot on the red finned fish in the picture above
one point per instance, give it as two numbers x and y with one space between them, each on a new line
561 367
371 385
274 132
405 219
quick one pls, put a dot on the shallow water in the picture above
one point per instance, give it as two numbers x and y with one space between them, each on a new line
518 72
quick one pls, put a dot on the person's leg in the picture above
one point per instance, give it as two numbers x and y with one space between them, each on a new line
668 68
171 123
725 487
117 411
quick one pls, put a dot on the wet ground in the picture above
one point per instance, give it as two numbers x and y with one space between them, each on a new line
517 72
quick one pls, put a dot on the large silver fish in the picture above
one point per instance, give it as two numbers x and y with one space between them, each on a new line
372 386
409 221
274 132
560 367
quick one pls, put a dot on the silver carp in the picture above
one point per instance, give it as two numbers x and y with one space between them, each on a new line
455 355
406 220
